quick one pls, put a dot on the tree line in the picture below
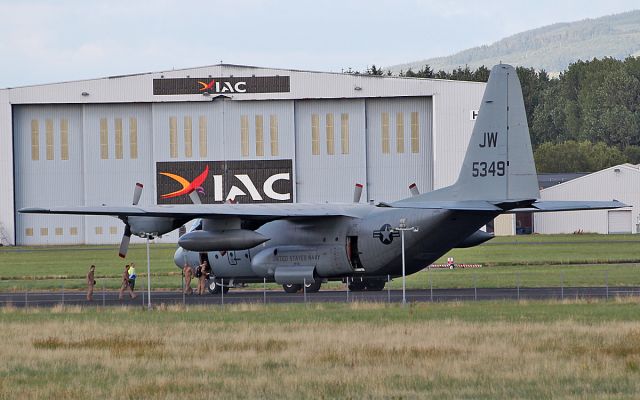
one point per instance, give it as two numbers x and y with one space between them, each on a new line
586 119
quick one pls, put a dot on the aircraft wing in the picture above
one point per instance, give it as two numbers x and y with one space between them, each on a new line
262 212
552 205
461 205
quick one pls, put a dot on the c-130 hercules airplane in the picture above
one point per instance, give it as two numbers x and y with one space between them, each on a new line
296 244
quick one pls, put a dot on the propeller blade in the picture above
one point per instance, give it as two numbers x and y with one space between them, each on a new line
124 244
195 199
137 193
357 193
414 189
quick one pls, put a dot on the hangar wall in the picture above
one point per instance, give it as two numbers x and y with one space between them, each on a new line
96 138
621 182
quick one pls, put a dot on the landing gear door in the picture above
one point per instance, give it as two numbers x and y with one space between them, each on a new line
233 260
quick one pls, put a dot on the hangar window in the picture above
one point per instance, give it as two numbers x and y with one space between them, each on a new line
385 133
259 136
59 231
48 130
64 139
202 130
133 138
113 230
35 140
330 135
118 139
173 137
415 129
188 137
273 133
73 231
315 134
98 230
344 133
28 232
44 231
244 135
400 132
104 139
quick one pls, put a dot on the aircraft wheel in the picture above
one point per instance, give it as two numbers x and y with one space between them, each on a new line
375 285
291 287
313 287
356 286
213 287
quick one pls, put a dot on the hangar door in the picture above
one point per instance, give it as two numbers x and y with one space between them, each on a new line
619 221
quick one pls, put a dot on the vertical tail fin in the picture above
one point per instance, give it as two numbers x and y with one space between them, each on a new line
498 165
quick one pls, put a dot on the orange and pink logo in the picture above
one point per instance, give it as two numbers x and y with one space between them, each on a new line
187 187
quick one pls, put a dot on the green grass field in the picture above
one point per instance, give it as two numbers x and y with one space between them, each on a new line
479 350
530 261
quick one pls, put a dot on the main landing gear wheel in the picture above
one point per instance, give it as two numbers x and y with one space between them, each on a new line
291 287
374 285
356 286
313 287
214 288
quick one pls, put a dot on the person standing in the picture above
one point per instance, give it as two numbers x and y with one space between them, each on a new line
132 276
91 282
125 284
202 276
188 272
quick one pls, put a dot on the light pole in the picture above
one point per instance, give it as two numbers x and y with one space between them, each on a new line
402 227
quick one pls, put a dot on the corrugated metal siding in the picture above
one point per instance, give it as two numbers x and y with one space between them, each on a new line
6 166
604 185
111 180
390 174
453 126
329 177
44 182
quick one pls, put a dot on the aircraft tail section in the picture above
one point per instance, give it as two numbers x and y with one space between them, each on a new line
498 166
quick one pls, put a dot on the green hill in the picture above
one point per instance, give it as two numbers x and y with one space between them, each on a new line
551 47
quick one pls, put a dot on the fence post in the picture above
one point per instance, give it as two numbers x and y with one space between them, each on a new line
388 288
103 294
475 286
562 285
518 283
606 282
222 291
347 289
62 294
304 289
182 286
430 284
264 290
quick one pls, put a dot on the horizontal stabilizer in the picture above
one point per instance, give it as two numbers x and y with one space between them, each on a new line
551 205
461 205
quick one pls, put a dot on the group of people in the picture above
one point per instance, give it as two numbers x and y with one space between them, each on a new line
128 281
202 272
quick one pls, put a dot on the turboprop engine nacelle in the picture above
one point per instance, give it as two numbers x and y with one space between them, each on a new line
232 239
152 225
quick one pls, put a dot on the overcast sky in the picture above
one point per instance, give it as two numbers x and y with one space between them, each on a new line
52 41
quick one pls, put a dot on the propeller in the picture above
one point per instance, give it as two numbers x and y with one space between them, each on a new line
414 189
357 193
126 237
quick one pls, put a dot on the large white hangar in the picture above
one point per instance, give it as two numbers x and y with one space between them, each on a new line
621 182
256 134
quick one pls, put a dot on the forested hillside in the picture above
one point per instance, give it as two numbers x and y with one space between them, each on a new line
552 47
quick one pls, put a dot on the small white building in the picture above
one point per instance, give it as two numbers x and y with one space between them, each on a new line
621 182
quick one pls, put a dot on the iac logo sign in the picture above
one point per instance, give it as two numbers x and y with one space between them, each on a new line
223 87
259 181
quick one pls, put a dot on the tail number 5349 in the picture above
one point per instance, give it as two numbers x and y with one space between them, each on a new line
482 168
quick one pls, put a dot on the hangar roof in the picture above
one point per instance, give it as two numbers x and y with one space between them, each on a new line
142 87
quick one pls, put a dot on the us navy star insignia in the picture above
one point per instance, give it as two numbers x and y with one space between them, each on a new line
385 234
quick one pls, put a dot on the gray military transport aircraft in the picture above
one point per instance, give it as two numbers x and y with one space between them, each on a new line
296 244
